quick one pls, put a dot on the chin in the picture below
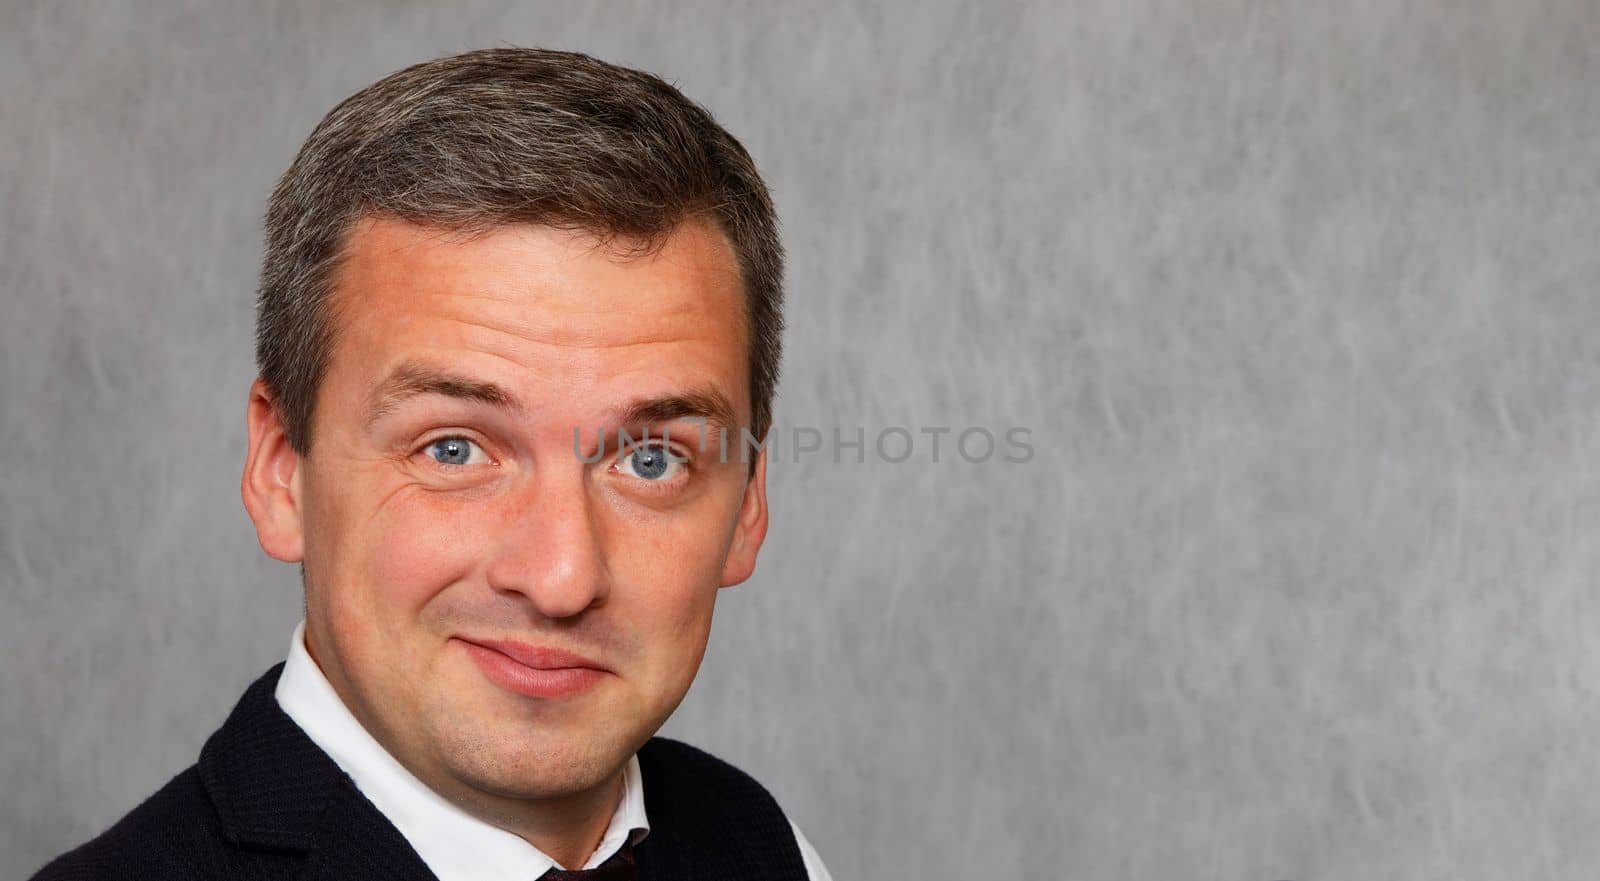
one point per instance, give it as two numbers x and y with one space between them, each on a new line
550 767
518 748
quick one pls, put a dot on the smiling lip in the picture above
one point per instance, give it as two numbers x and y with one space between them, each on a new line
537 657
535 671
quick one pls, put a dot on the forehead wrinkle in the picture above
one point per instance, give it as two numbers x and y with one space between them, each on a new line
572 304
615 330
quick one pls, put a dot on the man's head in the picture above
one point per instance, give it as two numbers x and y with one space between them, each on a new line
477 271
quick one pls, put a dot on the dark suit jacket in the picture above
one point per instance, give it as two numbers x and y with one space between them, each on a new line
264 802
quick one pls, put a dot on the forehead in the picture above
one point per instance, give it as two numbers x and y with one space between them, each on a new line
390 264
545 309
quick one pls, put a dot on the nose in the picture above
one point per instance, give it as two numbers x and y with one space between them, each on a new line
550 550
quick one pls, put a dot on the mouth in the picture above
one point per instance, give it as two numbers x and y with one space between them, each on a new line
534 671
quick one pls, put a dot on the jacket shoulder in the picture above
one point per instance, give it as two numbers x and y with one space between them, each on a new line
710 819
160 838
681 762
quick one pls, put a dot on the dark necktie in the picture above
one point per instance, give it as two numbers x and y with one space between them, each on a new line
618 868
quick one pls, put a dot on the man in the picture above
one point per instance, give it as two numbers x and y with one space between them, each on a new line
519 319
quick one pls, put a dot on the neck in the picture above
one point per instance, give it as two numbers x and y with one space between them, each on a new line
567 828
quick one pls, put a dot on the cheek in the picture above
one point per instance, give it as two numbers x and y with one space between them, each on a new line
670 569
389 562
417 546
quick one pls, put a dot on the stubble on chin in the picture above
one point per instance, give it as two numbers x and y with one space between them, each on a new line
510 755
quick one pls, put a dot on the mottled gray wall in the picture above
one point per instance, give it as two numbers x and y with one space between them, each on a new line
1298 301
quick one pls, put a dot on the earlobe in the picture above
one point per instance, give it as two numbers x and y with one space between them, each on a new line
271 482
751 529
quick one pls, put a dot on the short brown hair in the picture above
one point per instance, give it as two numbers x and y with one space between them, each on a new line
504 136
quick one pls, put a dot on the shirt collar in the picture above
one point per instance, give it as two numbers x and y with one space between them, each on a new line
455 845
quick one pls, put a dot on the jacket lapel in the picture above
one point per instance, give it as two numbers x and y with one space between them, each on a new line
276 790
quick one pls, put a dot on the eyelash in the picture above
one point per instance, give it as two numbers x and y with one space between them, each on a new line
662 486
426 445
684 463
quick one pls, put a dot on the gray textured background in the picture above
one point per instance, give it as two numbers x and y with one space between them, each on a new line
1299 302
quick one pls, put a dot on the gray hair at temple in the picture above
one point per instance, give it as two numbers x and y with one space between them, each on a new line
507 136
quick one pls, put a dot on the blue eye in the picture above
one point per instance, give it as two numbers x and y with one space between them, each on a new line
456 451
650 462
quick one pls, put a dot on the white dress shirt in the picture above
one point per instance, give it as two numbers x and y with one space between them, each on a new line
455 845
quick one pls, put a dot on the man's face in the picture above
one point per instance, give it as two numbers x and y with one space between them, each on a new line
449 525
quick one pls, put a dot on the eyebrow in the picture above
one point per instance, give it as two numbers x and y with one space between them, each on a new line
708 403
413 378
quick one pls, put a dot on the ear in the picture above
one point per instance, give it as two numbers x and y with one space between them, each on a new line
751 529
271 485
